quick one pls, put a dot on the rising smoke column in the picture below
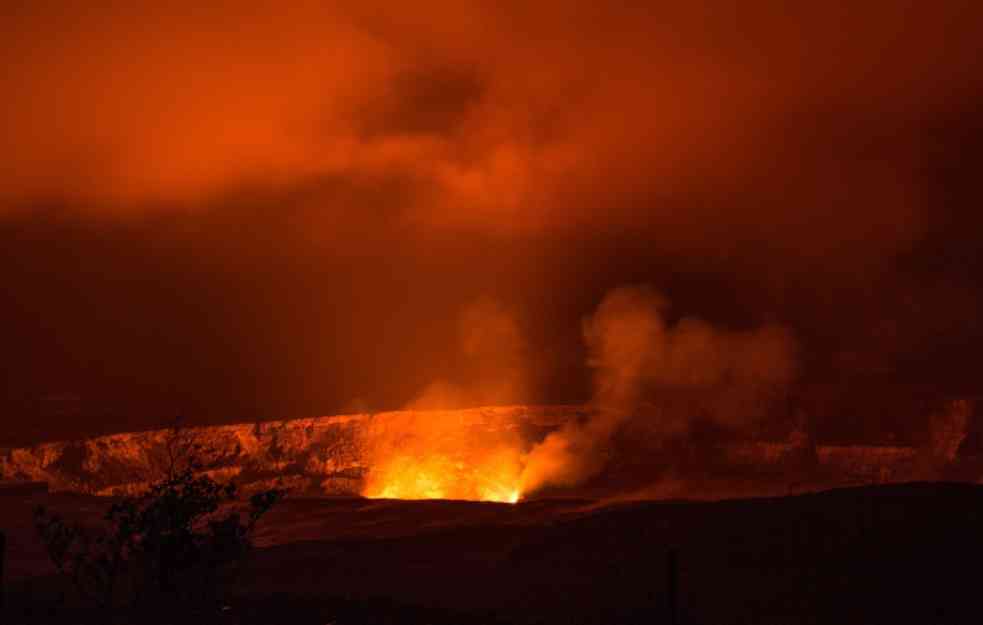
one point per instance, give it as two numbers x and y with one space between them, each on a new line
635 354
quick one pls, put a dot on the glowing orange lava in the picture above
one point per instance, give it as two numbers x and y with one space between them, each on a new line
434 455
438 476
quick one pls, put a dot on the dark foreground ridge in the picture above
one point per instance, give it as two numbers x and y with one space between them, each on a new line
907 553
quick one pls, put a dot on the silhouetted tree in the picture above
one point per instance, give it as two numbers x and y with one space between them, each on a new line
176 539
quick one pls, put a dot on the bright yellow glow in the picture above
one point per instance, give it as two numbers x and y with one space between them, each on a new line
442 455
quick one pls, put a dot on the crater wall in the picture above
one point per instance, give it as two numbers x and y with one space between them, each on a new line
325 456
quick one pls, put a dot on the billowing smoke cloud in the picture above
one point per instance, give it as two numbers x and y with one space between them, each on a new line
636 354
304 196
500 116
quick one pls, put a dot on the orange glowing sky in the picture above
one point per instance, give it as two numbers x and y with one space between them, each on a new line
286 208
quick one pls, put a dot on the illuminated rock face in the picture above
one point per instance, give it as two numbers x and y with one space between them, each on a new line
325 456
320 447
314 456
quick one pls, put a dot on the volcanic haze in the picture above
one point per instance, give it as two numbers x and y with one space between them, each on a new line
235 211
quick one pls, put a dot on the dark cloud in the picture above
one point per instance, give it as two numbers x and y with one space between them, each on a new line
307 198
423 101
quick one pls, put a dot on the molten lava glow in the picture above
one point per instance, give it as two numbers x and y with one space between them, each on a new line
437 476
436 455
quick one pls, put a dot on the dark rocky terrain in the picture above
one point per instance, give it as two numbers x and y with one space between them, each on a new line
906 553
862 543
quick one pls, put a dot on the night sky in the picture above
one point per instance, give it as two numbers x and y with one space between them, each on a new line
269 209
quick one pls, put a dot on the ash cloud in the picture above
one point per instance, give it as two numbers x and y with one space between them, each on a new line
300 200
504 117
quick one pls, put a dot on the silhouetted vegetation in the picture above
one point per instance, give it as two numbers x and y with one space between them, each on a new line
184 538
